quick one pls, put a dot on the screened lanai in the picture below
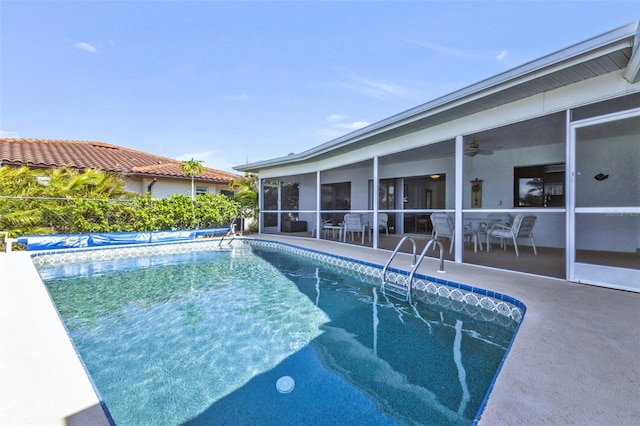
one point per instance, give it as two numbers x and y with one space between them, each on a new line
547 153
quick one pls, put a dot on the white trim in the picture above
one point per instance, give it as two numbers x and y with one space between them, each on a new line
601 275
607 276
318 207
632 73
376 186
459 181
570 202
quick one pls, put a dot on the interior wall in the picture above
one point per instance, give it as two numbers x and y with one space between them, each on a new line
422 167
308 192
497 172
359 178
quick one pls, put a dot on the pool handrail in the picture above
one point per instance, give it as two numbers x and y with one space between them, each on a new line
415 267
416 262
395 251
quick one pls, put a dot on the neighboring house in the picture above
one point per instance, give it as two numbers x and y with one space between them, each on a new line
557 138
142 171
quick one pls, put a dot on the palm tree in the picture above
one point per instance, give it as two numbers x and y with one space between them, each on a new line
192 168
27 196
246 193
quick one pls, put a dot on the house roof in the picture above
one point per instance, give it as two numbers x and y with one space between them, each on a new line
609 52
98 155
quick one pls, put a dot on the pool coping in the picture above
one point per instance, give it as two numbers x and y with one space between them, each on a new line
565 365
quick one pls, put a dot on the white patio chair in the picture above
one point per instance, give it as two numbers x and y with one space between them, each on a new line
353 224
367 221
323 226
443 227
522 228
314 218
480 232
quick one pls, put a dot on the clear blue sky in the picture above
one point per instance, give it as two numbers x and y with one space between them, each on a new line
228 82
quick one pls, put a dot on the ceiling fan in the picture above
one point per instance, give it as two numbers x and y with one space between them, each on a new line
473 148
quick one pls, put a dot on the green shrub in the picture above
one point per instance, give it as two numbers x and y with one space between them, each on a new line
75 202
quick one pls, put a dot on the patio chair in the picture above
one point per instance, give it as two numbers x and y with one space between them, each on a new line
522 228
323 222
353 224
443 227
367 221
480 232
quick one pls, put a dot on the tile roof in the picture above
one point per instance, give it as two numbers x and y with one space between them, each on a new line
98 155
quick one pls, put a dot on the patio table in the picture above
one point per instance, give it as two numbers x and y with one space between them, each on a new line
333 229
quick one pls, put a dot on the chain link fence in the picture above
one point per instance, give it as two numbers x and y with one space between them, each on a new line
21 216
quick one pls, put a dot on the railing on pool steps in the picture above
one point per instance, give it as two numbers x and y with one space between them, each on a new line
415 265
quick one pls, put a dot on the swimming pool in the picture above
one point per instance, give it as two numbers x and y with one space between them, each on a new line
205 336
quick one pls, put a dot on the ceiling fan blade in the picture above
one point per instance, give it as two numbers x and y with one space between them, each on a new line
485 152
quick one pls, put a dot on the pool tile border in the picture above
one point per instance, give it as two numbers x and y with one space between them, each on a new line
473 301
469 300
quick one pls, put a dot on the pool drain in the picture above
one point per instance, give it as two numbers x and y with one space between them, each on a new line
285 384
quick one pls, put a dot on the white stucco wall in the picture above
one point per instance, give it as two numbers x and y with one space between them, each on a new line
163 188
497 172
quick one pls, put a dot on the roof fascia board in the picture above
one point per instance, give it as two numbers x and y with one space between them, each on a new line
632 74
594 47
173 178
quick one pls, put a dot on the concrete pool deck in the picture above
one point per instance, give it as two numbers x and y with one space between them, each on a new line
575 360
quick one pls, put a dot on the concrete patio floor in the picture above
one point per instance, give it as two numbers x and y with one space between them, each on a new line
575 360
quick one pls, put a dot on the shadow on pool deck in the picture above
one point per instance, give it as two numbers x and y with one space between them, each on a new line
574 361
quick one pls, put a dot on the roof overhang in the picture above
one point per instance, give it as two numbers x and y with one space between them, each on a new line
632 74
201 179
603 54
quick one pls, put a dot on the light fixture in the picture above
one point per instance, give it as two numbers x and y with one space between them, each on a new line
434 176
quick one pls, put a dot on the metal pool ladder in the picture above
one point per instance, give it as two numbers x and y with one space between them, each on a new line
416 263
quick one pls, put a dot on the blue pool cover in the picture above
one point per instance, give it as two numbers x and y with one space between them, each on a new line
93 239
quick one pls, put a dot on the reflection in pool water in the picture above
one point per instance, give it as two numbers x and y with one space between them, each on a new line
205 338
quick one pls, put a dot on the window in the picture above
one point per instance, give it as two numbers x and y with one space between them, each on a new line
201 190
335 196
539 186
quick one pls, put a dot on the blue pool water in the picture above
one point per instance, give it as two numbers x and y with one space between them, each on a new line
203 338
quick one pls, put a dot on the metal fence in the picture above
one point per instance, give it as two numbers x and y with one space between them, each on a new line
20 216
